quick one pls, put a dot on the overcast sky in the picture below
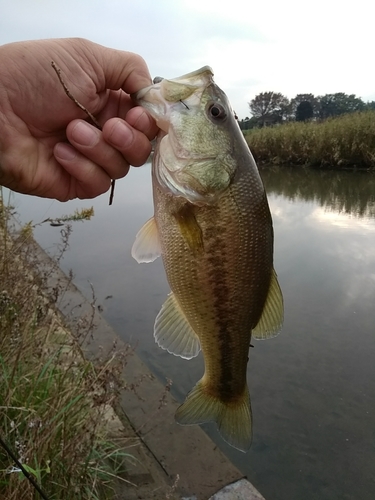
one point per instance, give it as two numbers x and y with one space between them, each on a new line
285 46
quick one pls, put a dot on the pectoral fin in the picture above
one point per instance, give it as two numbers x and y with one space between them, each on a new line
189 228
272 317
146 247
172 331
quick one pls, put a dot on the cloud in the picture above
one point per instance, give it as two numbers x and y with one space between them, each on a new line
252 47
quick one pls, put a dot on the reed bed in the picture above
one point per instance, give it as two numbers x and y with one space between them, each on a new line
342 142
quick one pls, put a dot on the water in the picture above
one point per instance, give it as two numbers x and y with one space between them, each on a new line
313 387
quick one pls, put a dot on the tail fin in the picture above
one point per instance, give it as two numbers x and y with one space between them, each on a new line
233 419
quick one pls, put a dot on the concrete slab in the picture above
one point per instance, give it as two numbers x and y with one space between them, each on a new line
240 490
186 454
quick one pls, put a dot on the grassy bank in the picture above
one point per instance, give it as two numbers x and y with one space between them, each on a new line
53 403
346 141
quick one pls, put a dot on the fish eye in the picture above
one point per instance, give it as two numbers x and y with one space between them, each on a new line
216 111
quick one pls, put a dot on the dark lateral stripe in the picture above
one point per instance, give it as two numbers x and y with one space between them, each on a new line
223 312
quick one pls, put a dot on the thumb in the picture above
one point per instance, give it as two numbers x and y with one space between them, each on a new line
117 69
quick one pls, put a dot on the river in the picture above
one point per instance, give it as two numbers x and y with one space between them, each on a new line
312 388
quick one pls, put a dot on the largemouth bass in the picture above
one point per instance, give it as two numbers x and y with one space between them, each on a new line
213 228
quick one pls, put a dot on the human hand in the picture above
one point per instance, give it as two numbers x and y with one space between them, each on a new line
47 148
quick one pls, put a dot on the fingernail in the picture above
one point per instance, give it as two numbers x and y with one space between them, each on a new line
121 136
64 151
84 134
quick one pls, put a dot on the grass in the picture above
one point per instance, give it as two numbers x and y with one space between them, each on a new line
53 403
345 141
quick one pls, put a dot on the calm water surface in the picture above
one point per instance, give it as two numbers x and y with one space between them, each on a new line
313 387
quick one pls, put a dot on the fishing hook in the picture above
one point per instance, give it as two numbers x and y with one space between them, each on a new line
158 79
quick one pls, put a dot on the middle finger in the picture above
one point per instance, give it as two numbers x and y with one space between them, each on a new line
133 144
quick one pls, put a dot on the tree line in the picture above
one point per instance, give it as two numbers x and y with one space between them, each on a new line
271 108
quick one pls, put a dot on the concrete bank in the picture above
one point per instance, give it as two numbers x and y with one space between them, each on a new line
171 461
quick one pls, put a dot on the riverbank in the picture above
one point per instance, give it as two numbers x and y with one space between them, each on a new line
48 389
342 142
143 426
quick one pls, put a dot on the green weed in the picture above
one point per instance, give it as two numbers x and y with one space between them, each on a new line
52 402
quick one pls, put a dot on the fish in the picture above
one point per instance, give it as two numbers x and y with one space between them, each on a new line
212 227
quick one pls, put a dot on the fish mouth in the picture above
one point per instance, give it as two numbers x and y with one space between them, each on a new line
160 97
193 79
138 96
197 77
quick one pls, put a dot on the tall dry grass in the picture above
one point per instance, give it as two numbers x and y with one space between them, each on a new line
53 403
345 141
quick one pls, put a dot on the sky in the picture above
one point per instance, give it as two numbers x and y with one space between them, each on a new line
288 46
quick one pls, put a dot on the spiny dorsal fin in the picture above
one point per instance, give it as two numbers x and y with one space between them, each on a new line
146 247
272 317
172 331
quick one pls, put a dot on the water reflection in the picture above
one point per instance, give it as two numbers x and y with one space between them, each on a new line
340 191
312 387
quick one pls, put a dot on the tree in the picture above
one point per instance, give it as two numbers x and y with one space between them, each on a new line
304 111
369 105
339 103
296 101
248 123
269 107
